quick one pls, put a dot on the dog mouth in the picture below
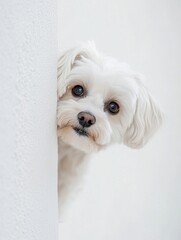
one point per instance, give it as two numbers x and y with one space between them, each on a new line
80 131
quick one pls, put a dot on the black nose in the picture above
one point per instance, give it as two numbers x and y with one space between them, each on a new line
86 119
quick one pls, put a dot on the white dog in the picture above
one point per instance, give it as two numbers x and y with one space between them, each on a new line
100 101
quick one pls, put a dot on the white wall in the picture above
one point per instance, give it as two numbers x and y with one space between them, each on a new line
28 142
135 194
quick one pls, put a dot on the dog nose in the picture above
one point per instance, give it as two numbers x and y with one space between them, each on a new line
86 119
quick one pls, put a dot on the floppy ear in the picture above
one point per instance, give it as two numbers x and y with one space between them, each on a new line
147 118
67 61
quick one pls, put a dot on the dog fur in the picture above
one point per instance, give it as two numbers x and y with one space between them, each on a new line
104 80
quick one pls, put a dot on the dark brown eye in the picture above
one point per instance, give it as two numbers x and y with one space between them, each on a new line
78 91
113 107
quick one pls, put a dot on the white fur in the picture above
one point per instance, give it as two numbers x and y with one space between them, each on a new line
104 79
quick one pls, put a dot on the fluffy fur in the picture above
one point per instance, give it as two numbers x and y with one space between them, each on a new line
104 80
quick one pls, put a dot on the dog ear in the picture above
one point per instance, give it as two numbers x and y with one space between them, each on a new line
147 118
67 61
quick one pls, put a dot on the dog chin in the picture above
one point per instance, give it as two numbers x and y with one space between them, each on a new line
78 138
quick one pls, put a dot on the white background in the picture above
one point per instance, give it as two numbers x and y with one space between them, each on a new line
131 194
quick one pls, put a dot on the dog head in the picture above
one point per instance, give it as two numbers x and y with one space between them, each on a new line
102 101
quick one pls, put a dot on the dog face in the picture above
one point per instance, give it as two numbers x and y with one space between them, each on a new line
101 101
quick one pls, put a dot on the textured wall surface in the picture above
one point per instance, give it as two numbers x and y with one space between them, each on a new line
28 143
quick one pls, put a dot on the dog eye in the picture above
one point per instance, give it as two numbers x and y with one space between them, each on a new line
113 107
78 91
